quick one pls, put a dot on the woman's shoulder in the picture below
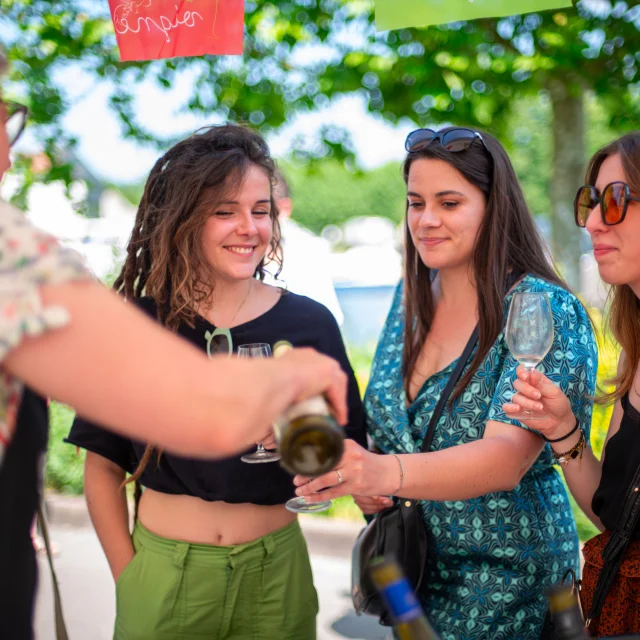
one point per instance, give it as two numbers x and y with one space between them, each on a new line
23 245
569 312
558 295
147 305
10 217
304 307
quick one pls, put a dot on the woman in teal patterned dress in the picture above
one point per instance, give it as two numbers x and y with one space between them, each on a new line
498 518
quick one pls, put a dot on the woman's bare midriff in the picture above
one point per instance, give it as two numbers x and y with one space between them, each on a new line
217 523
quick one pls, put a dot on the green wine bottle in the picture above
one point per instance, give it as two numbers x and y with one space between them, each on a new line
409 621
566 615
310 441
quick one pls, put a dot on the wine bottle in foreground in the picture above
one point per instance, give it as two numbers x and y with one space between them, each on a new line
310 441
566 614
409 621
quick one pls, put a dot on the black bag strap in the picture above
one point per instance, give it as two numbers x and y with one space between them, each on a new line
613 553
448 390
512 278
61 629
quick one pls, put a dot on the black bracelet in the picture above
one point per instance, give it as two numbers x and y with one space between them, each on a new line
567 436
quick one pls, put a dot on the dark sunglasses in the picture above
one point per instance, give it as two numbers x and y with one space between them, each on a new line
453 140
613 202
15 121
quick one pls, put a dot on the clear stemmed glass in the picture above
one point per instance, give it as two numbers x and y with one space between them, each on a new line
300 505
257 350
529 334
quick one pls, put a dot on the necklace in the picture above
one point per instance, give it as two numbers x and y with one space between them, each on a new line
220 340
235 315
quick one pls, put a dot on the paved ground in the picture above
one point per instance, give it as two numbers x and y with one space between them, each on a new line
88 592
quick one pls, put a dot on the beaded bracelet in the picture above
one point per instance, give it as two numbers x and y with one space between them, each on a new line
573 453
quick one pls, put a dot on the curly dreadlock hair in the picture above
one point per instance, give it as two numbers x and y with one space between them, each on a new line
164 256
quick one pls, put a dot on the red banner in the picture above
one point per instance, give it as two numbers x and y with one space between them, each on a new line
152 29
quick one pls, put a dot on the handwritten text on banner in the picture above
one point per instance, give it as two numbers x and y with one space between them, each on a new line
398 14
152 29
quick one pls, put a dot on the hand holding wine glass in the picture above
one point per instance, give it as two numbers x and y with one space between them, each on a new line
360 473
535 392
310 440
529 334
260 455
311 443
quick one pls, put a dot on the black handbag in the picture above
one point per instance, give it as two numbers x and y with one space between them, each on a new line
399 530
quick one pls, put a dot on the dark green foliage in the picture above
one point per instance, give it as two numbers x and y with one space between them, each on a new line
330 194
65 466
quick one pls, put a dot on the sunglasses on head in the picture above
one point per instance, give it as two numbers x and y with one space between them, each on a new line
453 140
613 202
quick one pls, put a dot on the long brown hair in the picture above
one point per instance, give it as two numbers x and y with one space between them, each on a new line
508 241
164 256
624 305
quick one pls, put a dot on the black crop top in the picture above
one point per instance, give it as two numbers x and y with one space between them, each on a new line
297 319
621 461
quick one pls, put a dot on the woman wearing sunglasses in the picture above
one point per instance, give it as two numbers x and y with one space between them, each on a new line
214 552
498 519
65 336
608 206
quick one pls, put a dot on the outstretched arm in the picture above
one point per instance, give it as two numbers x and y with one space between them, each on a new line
120 369
497 462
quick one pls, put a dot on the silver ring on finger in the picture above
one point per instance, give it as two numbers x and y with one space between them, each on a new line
340 478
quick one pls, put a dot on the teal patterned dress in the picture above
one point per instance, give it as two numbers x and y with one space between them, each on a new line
491 558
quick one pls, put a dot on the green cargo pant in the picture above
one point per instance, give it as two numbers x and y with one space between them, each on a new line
174 590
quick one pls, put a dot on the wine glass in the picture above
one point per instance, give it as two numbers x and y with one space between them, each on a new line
299 504
260 455
529 333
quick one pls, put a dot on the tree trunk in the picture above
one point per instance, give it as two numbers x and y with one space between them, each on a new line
569 162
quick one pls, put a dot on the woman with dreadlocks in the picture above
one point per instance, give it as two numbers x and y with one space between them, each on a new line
214 552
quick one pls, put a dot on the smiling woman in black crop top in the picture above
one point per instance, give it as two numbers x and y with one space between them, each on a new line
297 319
214 552
607 490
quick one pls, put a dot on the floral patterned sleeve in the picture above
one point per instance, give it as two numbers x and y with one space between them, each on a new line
29 259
